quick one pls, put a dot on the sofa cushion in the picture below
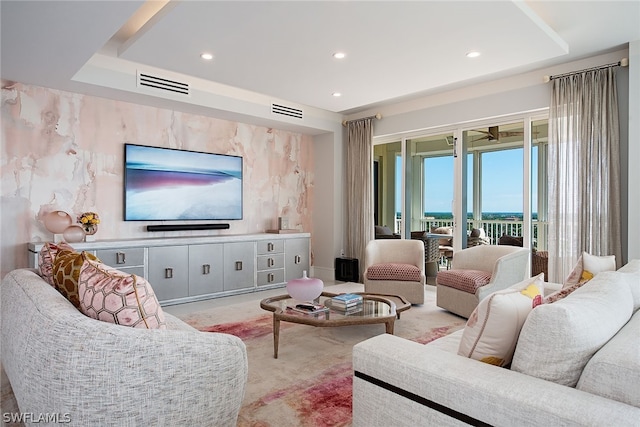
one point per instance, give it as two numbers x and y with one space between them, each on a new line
66 270
464 280
47 256
614 371
492 330
113 296
562 293
557 340
394 271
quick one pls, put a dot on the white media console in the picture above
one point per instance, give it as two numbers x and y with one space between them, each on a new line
185 269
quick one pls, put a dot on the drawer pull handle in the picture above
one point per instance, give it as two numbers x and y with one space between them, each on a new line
270 277
270 262
168 273
297 259
270 247
206 268
238 265
121 258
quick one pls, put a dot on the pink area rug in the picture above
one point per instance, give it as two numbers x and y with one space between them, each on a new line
310 383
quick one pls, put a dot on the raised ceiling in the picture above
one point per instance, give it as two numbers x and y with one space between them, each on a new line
394 50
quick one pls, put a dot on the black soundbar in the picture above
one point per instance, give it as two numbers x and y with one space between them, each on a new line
182 227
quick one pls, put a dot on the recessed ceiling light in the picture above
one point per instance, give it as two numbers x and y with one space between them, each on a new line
339 55
473 54
206 56
336 94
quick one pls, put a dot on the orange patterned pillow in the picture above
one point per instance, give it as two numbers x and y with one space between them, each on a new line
47 256
66 270
113 296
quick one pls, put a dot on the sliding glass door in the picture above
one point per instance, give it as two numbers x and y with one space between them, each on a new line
487 179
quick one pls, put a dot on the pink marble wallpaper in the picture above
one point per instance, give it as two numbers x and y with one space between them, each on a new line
64 151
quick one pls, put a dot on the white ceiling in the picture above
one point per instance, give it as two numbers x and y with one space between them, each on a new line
395 50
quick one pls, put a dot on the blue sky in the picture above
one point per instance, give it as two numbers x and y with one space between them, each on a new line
501 182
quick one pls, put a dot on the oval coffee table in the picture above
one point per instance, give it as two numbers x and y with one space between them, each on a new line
376 308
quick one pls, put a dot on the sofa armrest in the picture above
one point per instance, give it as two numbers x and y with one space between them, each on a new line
422 375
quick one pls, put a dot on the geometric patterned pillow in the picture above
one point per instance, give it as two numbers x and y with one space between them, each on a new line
66 269
46 258
113 296
492 331
394 271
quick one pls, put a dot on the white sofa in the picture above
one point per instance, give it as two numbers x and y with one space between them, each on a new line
61 363
581 370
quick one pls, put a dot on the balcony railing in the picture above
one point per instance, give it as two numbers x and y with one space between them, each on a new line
493 229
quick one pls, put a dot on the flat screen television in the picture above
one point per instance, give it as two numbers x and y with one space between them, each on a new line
163 184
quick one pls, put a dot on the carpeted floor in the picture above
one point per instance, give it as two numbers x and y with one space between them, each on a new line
310 382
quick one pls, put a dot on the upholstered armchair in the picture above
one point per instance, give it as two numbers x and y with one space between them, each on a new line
477 272
395 267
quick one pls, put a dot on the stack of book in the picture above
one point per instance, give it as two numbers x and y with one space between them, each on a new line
347 303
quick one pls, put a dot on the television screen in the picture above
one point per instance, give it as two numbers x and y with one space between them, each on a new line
169 184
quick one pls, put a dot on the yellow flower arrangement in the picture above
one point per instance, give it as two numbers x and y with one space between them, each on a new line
89 221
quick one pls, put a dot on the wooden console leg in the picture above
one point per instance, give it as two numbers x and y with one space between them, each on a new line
389 326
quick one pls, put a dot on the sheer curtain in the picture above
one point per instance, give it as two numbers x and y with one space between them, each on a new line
359 188
584 170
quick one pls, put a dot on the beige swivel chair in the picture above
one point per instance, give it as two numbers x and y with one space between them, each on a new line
395 267
477 272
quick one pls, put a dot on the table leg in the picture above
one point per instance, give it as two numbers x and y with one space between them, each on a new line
389 326
276 335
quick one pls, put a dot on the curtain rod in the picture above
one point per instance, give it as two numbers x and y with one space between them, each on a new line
624 62
377 116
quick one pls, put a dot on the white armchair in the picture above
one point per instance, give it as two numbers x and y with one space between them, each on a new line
477 272
395 267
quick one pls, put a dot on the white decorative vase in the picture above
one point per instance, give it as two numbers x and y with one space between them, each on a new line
305 288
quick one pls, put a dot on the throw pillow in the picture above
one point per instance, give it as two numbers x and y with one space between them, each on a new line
588 266
557 340
492 331
66 269
47 256
596 264
113 296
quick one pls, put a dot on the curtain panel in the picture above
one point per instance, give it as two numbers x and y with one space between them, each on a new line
584 170
359 192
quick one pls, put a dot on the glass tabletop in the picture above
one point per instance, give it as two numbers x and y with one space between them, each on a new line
370 307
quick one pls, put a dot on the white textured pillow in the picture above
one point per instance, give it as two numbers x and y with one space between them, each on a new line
557 340
597 264
492 330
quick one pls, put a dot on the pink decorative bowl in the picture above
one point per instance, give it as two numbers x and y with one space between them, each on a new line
305 288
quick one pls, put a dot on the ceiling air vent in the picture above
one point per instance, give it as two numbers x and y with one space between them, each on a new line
286 111
148 80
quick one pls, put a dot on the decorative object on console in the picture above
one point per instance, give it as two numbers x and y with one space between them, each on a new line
283 223
89 222
56 222
74 234
305 288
